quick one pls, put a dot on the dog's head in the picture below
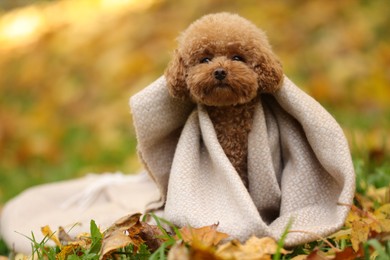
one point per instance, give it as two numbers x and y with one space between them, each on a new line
223 59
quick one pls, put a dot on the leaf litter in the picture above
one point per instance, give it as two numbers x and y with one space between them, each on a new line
366 234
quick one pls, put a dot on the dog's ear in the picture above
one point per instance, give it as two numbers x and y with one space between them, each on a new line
175 75
269 69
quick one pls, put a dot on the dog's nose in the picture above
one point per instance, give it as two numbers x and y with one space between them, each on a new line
220 74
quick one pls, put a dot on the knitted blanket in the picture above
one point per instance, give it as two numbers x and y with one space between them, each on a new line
299 166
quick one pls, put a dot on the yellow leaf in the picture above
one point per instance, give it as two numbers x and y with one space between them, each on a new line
114 241
228 250
254 248
299 257
351 218
380 195
66 251
122 233
64 237
373 224
360 231
265 245
383 212
341 234
385 225
46 231
179 252
207 235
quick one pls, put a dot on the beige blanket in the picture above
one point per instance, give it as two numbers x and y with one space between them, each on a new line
299 166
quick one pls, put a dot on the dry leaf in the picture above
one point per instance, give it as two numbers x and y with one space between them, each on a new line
123 232
228 249
196 252
46 231
125 222
383 212
66 251
341 234
359 234
254 248
202 252
383 216
379 195
114 241
207 235
151 234
349 254
64 237
179 252
316 255
299 257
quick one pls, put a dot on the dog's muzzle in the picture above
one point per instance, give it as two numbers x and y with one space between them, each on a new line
220 74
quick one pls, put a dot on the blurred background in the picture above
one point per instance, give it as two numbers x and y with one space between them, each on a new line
68 68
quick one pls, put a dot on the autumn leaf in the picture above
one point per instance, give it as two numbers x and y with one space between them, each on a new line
207 235
349 254
114 241
46 231
179 252
151 234
64 237
299 257
196 252
123 232
254 248
316 255
383 216
359 234
66 251
341 234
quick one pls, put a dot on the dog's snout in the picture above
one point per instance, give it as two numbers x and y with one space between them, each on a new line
220 74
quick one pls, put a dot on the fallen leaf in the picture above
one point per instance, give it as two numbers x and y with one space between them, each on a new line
124 222
179 252
349 254
202 252
254 248
64 237
66 251
114 241
379 195
123 232
383 212
265 245
207 235
46 231
359 234
228 249
316 255
299 257
151 234
341 234
352 217
383 216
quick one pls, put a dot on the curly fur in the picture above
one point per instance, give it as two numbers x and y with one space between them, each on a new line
231 44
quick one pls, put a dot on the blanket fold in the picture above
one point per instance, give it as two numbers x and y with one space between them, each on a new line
299 165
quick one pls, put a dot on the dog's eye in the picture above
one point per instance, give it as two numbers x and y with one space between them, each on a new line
238 58
205 60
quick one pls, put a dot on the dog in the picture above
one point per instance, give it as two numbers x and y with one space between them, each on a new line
225 63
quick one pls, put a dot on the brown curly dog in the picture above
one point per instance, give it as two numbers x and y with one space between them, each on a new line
225 62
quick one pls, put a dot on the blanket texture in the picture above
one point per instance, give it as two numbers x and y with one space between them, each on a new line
299 166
